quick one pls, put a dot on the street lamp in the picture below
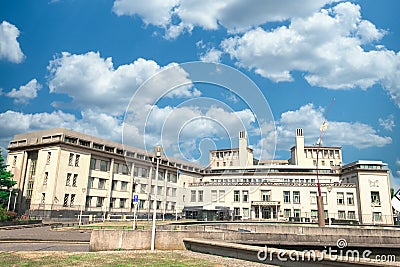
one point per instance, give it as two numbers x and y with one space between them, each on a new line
9 198
80 216
329 193
157 152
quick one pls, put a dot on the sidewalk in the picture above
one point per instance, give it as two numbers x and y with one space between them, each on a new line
45 233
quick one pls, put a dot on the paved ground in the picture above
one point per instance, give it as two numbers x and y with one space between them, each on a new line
44 246
44 239
44 234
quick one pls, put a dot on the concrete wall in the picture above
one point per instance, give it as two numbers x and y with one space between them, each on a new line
271 235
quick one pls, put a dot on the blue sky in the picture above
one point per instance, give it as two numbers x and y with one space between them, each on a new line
77 64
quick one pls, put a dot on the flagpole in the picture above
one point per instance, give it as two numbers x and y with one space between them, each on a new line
320 201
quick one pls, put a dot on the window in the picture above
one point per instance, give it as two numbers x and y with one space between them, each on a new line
74 180
89 201
314 214
174 192
90 182
153 188
48 158
92 164
43 200
114 185
200 196
296 197
122 203
103 165
125 169
71 204
193 195
160 190
68 181
236 211
112 202
287 213
236 195
14 161
286 196
351 215
377 216
350 199
266 195
45 178
297 212
375 199
71 159
116 168
102 183
313 197
221 195
246 212
143 188
65 203
124 186
100 202
340 198
158 203
214 195
341 214
77 160
141 204
245 196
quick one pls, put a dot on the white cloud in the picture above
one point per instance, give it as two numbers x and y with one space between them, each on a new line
309 118
326 46
25 92
93 82
9 46
177 16
212 55
156 12
387 124
93 123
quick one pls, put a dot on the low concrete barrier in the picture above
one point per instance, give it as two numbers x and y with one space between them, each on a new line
275 256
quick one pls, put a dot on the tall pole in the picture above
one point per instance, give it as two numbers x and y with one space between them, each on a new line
9 200
80 216
320 201
157 151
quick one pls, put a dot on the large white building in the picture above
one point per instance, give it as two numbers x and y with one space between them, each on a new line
59 172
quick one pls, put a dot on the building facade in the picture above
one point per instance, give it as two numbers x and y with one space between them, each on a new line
60 172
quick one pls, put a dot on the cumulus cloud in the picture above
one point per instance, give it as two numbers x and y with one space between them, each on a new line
176 16
327 47
212 55
25 92
310 118
9 46
94 123
93 82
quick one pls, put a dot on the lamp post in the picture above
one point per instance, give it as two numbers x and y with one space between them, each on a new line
9 199
329 193
80 216
157 152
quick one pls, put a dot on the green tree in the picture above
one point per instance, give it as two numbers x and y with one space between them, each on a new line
6 182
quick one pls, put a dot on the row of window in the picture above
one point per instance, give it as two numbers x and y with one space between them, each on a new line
171 191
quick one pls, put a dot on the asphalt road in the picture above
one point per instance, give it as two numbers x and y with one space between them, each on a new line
44 239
